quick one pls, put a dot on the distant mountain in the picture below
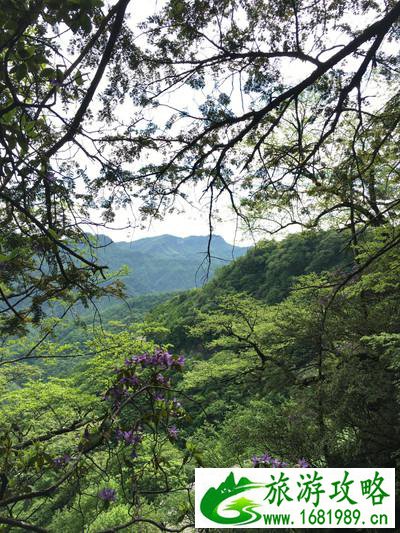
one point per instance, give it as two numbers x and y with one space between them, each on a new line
165 263
267 272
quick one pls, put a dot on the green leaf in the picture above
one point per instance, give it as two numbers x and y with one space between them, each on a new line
49 73
20 71
79 78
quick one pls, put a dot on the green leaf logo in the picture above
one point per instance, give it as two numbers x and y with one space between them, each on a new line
213 498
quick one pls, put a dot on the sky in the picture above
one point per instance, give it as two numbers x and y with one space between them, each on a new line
190 220
192 217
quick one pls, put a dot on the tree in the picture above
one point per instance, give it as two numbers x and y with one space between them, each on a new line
255 135
44 99
329 370
303 145
72 447
260 134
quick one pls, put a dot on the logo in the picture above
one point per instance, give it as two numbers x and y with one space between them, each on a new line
214 498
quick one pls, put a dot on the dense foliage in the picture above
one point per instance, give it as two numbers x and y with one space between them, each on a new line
113 438
266 272
283 118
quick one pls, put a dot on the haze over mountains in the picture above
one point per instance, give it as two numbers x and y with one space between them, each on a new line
165 263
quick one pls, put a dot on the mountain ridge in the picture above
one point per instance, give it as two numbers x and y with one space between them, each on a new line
166 262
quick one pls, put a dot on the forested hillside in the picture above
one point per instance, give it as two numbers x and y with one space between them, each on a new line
165 263
266 373
126 365
267 272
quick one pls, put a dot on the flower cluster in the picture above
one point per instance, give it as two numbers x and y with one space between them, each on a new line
173 432
129 437
158 397
132 381
162 380
127 380
160 358
147 374
62 461
108 495
266 460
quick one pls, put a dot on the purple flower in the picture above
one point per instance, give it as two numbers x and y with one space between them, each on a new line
255 460
275 463
130 380
173 432
141 359
266 458
159 397
130 437
166 359
59 462
180 361
162 379
107 495
160 358
303 463
50 177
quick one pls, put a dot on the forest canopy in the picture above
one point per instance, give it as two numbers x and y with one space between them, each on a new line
199 93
